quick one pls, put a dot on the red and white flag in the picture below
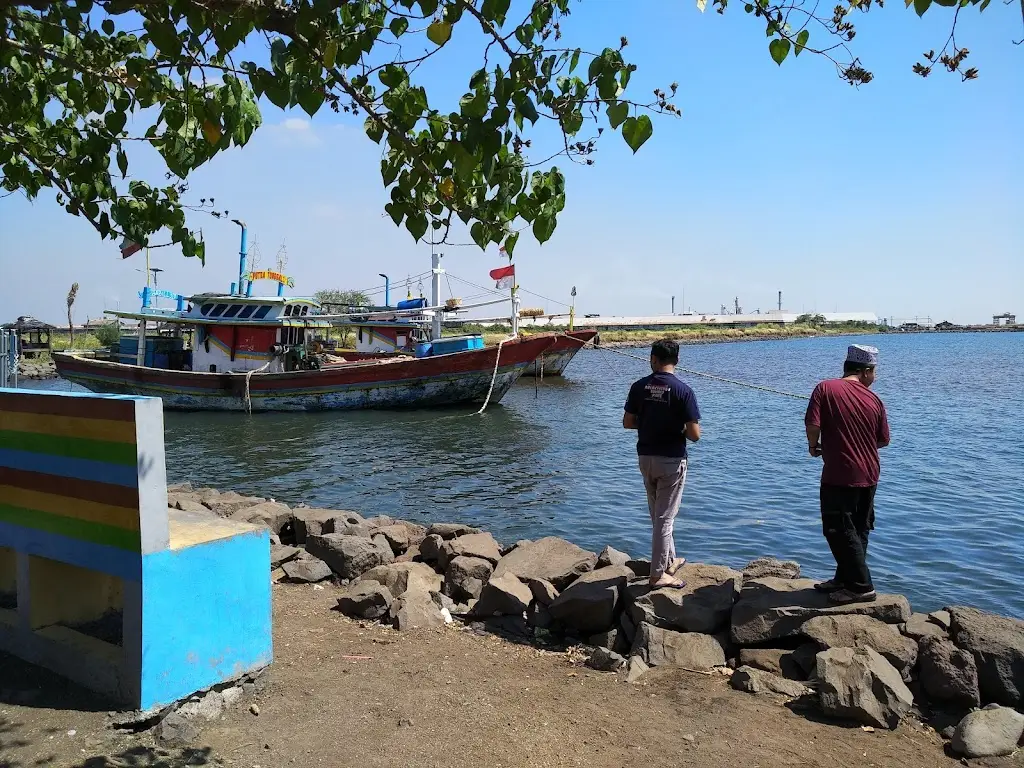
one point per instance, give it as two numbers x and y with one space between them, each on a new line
128 247
505 276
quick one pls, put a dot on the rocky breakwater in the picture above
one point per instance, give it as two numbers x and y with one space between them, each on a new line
764 626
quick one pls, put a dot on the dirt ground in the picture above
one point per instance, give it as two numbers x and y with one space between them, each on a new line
449 698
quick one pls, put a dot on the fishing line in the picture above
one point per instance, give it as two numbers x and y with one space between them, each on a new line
701 374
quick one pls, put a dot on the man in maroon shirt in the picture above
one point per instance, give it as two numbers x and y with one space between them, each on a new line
846 425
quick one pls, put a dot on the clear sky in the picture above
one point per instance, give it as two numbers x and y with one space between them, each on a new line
904 197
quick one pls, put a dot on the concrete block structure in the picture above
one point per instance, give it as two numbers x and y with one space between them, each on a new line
99 580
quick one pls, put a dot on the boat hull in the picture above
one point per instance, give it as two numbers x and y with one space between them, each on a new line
460 378
554 361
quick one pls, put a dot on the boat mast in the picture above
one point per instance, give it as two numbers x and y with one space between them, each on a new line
435 294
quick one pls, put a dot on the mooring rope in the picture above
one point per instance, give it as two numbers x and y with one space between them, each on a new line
701 374
494 377
248 377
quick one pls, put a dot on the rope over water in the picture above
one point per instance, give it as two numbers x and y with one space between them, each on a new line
721 379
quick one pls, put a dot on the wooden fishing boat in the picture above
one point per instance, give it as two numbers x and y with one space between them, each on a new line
561 353
473 376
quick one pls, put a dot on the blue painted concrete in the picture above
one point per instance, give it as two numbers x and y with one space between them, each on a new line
82 469
97 557
206 616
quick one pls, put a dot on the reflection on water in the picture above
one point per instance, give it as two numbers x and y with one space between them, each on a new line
552 459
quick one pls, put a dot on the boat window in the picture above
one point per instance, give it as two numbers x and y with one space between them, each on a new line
218 310
287 310
233 310
206 308
261 312
360 333
305 310
247 310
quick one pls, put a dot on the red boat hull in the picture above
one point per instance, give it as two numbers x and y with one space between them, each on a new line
462 377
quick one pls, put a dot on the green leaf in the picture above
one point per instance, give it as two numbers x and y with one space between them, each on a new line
115 121
108 26
311 99
122 162
396 211
801 41
374 129
393 76
439 33
398 26
544 227
636 131
617 114
575 60
510 243
479 234
525 107
920 6
416 223
779 49
331 54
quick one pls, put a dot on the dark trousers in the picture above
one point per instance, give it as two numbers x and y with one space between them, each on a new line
847 517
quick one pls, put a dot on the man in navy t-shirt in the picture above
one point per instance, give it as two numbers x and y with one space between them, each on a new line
664 412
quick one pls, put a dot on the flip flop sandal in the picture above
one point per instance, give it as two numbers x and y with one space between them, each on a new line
676 584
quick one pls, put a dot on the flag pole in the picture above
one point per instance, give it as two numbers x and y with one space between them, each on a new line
515 300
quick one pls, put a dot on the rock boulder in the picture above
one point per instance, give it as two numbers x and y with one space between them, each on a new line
269 514
657 646
306 570
989 732
704 605
416 609
503 595
920 625
776 661
605 660
281 554
365 600
544 592
998 647
754 680
400 577
450 530
863 632
348 556
610 556
587 606
858 684
772 608
401 535
552 559
308 521
764 567
478 545
948 675
465 577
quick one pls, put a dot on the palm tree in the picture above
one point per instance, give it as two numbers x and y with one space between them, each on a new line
72 294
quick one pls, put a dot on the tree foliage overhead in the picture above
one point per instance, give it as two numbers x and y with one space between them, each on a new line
81 82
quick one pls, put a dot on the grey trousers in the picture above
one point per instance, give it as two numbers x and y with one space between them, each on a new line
664 478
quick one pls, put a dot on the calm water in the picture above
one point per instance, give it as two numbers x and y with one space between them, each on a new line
950 517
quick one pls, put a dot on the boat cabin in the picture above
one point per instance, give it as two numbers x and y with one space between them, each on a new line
228 333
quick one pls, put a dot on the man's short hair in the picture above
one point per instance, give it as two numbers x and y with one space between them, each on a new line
665 351
851 368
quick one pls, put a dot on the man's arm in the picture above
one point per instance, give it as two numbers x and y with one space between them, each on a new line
691 414
813 439
883 429
692 431
812 423
632 408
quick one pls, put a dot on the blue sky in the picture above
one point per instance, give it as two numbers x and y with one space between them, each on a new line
903 197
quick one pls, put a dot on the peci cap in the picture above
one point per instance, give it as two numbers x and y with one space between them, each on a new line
862 355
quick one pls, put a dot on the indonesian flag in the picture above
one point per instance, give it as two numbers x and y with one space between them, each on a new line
505 276
128 247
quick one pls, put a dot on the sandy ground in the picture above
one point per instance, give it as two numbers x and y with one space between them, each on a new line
450 698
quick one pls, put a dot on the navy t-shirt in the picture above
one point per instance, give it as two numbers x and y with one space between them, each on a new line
663 406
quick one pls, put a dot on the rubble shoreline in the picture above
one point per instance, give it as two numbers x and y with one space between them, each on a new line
873 664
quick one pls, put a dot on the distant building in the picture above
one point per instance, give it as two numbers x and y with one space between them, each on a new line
945 325
1004 319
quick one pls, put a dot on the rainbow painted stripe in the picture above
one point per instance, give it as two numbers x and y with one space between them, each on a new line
69 468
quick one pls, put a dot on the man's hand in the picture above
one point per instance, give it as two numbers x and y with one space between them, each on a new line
814 450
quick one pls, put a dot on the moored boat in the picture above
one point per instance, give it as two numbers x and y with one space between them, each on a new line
561 353
473 376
